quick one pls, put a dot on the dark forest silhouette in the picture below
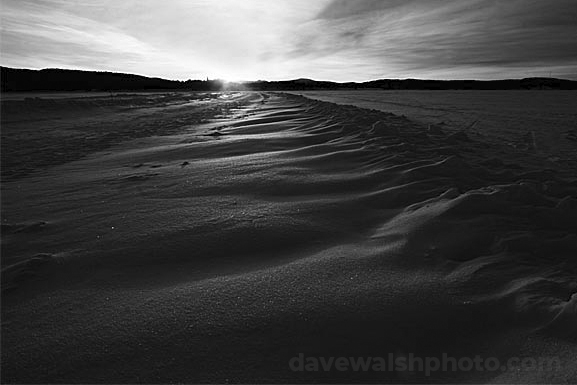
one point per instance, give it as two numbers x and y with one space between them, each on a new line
13 79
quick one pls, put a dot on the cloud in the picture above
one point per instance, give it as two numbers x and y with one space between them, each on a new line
326 39
50 37
177 38
338 9
460 38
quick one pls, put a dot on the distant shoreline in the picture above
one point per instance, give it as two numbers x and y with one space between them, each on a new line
50 80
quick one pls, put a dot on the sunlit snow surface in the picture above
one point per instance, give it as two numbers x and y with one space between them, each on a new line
510 116
213 237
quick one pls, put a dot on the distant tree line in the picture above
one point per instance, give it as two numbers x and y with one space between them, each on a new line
14 79
416 84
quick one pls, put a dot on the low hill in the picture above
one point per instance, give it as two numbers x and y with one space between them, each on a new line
14 79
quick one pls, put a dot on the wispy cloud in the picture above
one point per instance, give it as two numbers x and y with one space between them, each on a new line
451 38
35 34
325 39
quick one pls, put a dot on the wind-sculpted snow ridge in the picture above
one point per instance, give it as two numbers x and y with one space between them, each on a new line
291 226
38 132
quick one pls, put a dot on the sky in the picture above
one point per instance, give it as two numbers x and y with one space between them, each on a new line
337 40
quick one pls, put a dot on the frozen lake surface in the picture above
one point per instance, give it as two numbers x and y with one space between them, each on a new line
209 238
548 116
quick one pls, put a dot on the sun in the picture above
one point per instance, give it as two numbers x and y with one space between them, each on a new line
236 75
233 78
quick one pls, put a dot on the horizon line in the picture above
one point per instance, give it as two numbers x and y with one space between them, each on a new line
285 80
